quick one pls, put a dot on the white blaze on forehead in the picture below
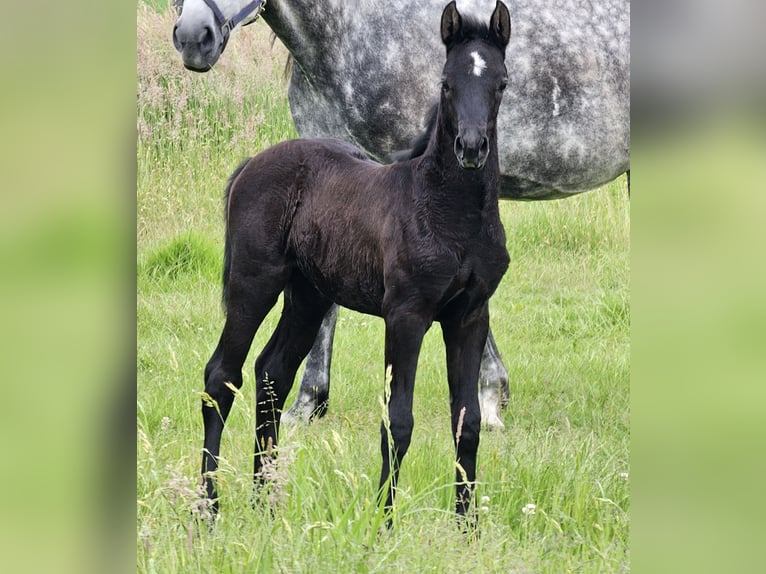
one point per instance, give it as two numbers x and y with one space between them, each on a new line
479 65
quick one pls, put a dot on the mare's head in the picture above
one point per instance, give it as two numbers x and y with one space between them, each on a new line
473 81
202 30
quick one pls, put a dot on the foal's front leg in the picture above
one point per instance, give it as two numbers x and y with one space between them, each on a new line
404 337
314 394
464 342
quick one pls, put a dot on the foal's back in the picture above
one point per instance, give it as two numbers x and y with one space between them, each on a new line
326 211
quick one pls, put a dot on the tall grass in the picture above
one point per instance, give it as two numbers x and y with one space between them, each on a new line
553 492
193 129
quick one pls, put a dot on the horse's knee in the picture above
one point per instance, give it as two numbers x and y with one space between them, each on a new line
468 428
218 382
468 438
400 426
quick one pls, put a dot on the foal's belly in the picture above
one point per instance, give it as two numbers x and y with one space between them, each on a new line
342 268
359 292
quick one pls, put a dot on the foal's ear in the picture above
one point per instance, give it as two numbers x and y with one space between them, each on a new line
500 25
451 24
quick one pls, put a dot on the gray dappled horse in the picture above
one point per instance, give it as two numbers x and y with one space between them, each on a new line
412 242
365 71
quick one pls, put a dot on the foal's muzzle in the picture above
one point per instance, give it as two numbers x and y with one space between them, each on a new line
472 148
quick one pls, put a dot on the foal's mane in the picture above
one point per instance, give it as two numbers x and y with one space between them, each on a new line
420 143
472 29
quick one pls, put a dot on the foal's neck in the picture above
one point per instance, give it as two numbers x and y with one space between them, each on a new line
466 189
455 203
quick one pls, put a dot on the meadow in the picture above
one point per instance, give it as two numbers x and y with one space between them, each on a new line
553 490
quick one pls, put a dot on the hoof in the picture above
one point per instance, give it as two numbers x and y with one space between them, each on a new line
493 422
489 406
304 410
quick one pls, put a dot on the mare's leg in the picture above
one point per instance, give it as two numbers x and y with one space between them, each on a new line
314 392
404 337
494 392
275 368
464 342
248 302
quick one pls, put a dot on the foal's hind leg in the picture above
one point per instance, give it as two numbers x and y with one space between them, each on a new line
314 392
275 368
247 305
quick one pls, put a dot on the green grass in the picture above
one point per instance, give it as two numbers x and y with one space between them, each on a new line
159 5
561 318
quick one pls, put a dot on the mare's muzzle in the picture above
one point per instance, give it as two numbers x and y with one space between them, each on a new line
201 41
199 45
472 147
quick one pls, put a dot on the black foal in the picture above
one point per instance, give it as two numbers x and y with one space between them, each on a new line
412 242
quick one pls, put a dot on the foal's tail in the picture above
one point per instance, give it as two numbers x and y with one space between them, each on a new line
226 242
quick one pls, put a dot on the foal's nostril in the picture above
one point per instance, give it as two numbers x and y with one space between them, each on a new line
459 147
472 148
484 147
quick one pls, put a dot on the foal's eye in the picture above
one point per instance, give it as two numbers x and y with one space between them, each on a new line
502 85
446 87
